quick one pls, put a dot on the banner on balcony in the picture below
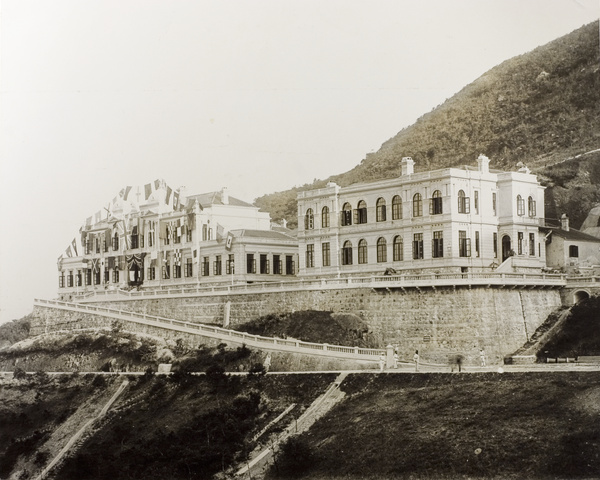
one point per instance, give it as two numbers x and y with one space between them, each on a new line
137 259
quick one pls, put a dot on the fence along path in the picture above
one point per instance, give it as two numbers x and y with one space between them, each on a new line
232 336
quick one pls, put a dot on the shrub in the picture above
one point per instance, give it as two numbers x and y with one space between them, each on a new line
19 373
294 458
99 381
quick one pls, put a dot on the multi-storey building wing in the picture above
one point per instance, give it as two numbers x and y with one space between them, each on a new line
155 237
453 219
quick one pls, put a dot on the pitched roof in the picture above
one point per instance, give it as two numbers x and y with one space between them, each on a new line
215 198
572 234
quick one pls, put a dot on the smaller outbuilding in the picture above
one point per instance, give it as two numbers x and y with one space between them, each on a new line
570 250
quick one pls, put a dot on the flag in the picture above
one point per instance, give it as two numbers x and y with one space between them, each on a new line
126 193
229 241
175 200
148 190
156 184
177 257
74 245
220 232
168 196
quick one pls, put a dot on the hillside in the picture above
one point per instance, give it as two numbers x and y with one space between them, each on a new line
444 426
539 108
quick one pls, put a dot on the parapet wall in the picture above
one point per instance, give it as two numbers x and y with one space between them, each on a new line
437 322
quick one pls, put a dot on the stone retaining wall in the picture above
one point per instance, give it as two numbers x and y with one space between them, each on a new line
437 322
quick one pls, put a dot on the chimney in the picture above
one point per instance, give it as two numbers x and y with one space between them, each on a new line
484 163
408 166
564 222
224 196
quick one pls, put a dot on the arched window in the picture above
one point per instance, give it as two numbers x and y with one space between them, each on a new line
417 205
380 212
398 249
309 220
396 207
325 217
520 206
532 207
347 253
346 214
381 250
361 212
362 251
464 202
435 206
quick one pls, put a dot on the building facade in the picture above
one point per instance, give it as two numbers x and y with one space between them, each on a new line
453 220
157 237
572 251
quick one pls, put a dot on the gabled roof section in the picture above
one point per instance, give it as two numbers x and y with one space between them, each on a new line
216 198
572 235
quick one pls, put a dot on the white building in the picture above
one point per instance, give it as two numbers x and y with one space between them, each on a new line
453 219
154 237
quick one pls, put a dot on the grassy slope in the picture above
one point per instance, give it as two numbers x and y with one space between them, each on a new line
508 113
188 429
30 409
431 426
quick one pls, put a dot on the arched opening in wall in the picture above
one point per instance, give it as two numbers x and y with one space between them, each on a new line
506 248
580 295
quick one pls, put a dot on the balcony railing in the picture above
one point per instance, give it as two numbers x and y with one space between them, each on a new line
384 281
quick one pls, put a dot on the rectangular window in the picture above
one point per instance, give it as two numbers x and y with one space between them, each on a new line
189 269
276 265
97 277
495 245
477 244
464 205
115 243
150 239
573 251
310 255
97 242
398 249
151 273
106 275
88 249
230 267
532 244
476 201
464 244
115 276
435 206
176 271
105 244
61 281
326 254
437 250
166 272
290 265
88 276
70 280
418 246
134 241
520 206
205 267
217 266
346 217
494 203
250 263
264 265
520 243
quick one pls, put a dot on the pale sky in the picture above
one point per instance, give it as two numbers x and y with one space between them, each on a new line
255 95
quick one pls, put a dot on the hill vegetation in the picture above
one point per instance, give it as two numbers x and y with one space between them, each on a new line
538 108
450 426
313 326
